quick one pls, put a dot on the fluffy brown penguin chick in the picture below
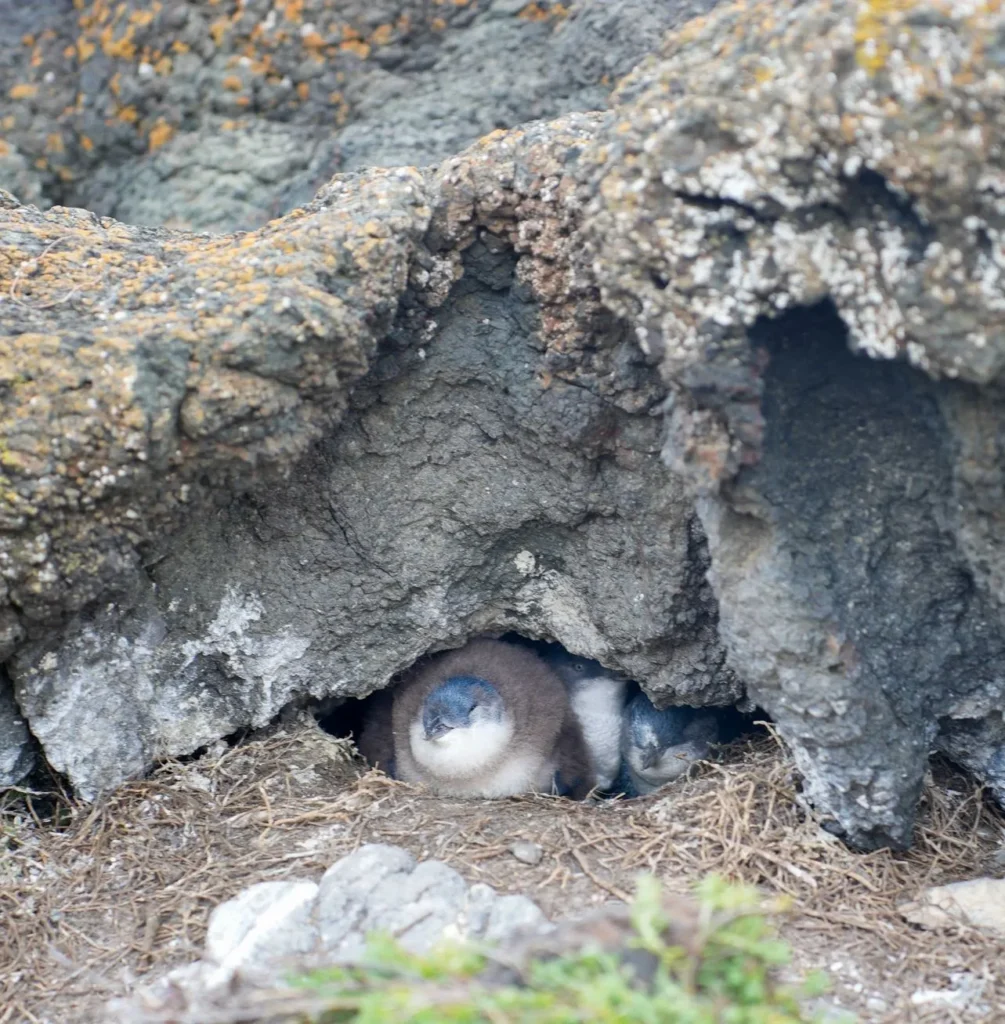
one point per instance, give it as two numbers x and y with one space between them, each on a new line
376 738
490 720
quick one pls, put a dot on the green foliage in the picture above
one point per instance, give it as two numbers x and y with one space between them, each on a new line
726 974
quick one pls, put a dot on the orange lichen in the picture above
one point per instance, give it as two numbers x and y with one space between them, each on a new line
160 133
218 30
361 49
23 91
128 114
303 90
382 35
123 47
86 144
54 143
233 82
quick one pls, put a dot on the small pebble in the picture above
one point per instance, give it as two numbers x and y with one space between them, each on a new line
527 852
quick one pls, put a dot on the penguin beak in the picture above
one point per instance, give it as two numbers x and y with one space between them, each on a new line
437 728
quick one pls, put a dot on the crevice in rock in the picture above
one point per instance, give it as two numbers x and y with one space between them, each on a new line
845 601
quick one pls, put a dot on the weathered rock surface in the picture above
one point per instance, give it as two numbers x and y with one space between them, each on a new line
778 187
222 117
17 756
778 195
470 490
255 937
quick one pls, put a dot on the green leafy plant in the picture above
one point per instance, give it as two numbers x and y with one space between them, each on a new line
724 973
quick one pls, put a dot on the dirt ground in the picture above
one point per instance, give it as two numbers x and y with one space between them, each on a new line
97 900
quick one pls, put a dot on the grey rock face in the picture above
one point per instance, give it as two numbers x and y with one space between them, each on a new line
17 753
846 604
852 507
462 496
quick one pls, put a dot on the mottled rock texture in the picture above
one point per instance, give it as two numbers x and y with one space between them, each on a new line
482 481
438 403
224 115
778 187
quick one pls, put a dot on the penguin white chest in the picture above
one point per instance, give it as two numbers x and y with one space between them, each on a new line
597 704
478 761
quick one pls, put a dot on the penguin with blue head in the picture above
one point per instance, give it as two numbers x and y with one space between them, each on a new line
487 720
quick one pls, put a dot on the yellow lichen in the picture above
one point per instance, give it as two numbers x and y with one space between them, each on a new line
872 43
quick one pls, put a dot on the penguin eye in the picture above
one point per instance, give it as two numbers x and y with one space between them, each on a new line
579 666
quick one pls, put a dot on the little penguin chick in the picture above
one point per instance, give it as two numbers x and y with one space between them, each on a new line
658 746
376 736
490 720
597 696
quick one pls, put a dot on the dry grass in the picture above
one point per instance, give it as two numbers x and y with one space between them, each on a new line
123 889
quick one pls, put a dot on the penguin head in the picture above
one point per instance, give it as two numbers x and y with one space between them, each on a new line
573 669
461 702
462 728
659 745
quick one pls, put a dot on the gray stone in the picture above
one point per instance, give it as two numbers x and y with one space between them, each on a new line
218 141
527 852
264 926
273 929
382 889
978 901
17 751
348 886
377 889
510 915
